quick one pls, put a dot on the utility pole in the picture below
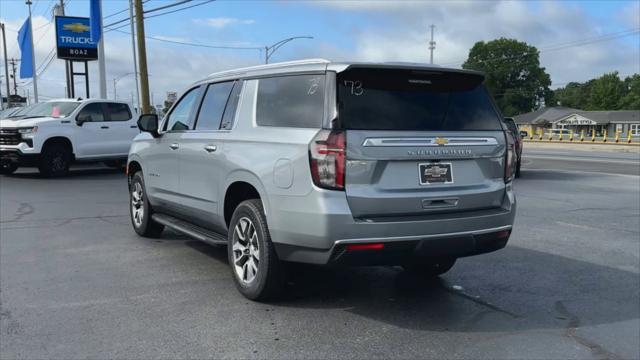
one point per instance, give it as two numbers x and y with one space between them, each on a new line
432 44
142 56
33 56
135 58
14 63
6 64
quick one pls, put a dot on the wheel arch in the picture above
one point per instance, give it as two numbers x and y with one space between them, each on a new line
65 141
241 186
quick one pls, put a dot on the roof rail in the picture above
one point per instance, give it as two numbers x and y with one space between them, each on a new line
269 66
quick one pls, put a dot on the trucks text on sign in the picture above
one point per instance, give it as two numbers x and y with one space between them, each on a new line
73 39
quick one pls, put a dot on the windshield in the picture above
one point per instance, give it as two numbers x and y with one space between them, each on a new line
51 109
392 99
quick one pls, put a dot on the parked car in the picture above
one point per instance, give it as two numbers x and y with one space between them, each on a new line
517 138
328 163
53 134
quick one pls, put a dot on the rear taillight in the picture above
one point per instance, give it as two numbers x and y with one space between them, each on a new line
327 159
510 159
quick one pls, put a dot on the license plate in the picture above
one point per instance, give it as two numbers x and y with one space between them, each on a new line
435 173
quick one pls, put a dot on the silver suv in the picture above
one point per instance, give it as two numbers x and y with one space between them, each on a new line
328 163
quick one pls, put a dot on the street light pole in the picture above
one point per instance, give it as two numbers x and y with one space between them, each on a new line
269 50
115 83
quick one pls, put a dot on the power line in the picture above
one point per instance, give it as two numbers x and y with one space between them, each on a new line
184 8
162 8
565 45
196 44
120 12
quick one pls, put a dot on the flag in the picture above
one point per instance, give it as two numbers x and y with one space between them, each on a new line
26 50
95 20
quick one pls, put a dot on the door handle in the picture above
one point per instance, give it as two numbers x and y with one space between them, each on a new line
174 146
134 126
210 148
104 127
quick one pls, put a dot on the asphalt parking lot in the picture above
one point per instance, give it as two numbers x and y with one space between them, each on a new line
76 282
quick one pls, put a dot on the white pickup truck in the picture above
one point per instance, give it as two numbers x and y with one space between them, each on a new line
53 134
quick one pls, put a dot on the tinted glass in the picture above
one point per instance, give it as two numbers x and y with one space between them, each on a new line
383 99
118 112
179 116
511 125
213 105
92 112
291 101
232 105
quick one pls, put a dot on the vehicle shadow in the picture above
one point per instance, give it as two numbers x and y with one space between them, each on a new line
513 289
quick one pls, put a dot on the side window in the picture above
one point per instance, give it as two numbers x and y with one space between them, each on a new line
213 106
118 112
179 116
291 101
92 113
232 105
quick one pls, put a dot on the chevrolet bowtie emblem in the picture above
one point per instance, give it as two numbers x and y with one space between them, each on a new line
441 141
436 171
76 27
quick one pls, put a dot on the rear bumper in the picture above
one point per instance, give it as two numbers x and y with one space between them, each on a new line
16 156
398 251
318 227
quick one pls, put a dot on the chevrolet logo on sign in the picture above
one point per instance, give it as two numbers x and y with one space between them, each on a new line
441 141
76 27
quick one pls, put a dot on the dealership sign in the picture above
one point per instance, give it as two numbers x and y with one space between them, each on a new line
576 120
73 39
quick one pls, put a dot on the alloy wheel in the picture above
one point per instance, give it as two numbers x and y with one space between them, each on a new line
246 250
137 204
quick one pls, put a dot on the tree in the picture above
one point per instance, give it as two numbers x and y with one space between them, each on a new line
631 100
606 92
513 74
573 95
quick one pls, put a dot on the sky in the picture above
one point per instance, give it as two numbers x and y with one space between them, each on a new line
579 40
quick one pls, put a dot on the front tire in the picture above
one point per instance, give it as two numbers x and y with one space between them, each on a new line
140 209
8 168
256 269
431 267
55 161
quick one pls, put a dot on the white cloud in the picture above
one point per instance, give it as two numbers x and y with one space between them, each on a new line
221 22
398 31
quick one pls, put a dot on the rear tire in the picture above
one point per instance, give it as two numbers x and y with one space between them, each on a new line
257 272
55 160
7 168
140 209
431 267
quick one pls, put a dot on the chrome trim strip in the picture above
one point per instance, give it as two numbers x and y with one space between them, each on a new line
428 141
421 237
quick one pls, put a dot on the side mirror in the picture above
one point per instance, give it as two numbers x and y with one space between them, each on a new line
524 134
149 123
81 119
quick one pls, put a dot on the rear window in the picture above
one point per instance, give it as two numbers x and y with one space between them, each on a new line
291 101
383 99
